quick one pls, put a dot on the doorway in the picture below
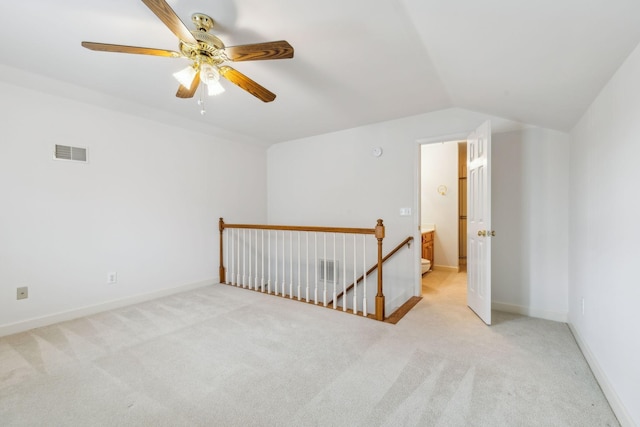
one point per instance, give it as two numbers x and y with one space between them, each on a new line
478 224
443 210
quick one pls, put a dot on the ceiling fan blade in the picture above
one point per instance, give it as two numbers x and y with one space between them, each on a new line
253 52
239 79
105 47
163 11
183 92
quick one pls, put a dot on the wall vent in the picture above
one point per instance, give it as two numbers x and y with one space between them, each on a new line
330 270
66 152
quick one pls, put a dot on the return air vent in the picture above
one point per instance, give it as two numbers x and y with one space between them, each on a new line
66 152
330 264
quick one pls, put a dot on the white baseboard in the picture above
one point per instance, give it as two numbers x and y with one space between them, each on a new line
609 392
50 319
531 312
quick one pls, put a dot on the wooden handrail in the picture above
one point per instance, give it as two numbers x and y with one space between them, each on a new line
378 231
375 266
300 228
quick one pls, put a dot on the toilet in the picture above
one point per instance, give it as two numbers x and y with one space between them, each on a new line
426 265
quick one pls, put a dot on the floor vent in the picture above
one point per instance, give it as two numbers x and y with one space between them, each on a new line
66 152
330 270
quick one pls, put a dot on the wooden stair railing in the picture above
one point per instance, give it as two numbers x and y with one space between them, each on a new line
378 232
406 241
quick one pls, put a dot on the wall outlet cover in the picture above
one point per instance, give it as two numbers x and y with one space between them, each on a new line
112 278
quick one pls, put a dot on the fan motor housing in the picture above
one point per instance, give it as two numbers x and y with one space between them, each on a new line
209 47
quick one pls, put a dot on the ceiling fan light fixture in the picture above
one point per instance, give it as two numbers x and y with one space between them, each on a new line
209 73
211 77
214 88
185 76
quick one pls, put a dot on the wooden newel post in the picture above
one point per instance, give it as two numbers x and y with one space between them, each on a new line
380 295
221 270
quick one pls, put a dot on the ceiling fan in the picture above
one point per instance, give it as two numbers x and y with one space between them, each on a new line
207 54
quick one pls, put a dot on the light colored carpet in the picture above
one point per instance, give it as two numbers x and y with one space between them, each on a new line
220 356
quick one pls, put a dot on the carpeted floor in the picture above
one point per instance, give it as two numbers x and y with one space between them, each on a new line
220 356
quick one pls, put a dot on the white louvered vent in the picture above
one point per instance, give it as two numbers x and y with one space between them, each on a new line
66 152
330 270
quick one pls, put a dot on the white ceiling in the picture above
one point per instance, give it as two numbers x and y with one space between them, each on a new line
356 61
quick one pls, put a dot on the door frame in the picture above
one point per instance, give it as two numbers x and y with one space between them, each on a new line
417 184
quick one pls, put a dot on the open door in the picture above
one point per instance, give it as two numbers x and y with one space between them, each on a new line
479 222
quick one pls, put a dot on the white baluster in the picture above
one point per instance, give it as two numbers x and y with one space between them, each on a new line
299 281
284 268
364 269
344 272
355 277
315 253
269 261
225 234
256 277
238 259
335 279
244 258
231 258
276 263
324 291
290 264
262 259
250 280
307 294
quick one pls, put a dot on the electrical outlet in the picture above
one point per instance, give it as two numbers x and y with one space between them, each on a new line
22 293
583 306
112 278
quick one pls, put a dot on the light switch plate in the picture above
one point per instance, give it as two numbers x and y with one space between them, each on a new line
405 211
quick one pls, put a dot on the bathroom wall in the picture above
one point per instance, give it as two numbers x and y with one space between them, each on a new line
439 167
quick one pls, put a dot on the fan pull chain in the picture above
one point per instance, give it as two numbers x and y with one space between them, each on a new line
201 101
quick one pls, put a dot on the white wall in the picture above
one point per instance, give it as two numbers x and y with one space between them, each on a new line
604 236
439 166
333 179
530 208
145 206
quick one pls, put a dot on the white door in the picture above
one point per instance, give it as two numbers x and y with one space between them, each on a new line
479 222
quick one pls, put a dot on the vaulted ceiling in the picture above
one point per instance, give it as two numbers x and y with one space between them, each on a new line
356 61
